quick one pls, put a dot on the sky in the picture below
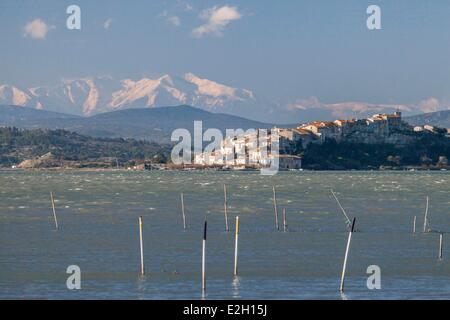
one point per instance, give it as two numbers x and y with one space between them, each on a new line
282 50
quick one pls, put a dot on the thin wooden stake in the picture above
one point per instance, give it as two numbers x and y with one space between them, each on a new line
425 219
182 211
225 208
414 224
284 220
204 258
141 246
236 244
341 289
440 246
54 210
275 208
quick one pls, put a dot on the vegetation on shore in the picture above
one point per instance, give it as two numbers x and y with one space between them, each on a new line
427 151
43 148
18 145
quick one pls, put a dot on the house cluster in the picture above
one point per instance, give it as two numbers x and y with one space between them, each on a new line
255 149
379 128
432 129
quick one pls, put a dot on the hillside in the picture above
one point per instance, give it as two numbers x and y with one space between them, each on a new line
153 124
426 151
439 119
17 145
23 116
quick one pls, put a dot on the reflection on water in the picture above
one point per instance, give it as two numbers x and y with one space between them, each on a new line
141 287
235 284
98 214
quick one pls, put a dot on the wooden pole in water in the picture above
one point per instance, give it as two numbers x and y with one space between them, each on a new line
236 244
414 224
341 289
275 208
141 246
284 220
182 211
225 208
425 219
54 211
204 258
440 246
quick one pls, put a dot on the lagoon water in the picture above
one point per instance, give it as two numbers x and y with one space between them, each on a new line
98 217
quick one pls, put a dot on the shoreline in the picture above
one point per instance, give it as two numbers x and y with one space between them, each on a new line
216 170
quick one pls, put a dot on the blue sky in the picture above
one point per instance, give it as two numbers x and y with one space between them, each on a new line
283 50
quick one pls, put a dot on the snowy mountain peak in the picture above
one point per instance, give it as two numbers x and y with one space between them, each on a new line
13 95
92 95
213 89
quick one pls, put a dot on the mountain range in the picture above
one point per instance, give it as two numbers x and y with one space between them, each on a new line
439 119
153 124
95 95
91 96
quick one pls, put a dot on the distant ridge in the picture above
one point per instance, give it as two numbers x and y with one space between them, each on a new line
439 119
18 113
153 124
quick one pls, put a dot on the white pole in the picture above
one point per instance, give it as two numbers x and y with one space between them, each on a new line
425 220
54 211
440 246
236 243
182 211
341 289
284 220
414 224
141 245
225 207
275 208
204 258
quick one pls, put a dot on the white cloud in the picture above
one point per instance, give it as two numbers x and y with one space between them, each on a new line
216 20
37 29
107 23
171 19
174 20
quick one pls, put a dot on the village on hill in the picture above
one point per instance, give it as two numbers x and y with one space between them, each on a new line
255 150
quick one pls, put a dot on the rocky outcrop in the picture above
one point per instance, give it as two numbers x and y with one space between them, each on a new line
46 161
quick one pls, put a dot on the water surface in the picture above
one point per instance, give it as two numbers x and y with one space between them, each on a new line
98 214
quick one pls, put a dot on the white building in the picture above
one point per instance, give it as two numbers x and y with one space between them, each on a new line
256 149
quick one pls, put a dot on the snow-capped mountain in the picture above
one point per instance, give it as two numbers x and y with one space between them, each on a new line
13 95
89 96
